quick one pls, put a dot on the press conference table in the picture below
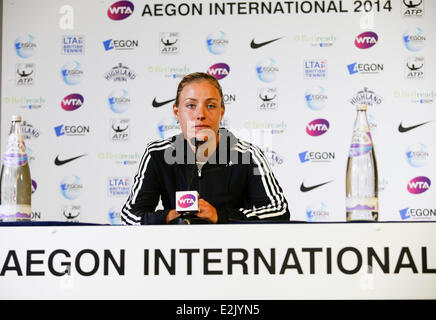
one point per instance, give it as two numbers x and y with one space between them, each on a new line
60 260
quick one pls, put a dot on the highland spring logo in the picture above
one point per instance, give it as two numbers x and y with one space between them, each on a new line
120 73
120 10
367 97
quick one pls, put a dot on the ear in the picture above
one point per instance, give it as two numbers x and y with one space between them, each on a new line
176 112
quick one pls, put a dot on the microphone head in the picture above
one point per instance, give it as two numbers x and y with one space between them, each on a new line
194 141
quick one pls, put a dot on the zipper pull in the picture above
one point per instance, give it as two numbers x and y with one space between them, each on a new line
199 172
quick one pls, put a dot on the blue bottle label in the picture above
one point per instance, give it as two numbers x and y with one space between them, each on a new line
361 143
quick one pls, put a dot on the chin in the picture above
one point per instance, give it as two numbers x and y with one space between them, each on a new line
205 134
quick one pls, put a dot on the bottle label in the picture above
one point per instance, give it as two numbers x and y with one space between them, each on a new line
362 204
361 143
15 154
15 212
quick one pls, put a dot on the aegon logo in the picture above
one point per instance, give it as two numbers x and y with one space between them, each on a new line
72 102
120 10
316 156
317 127
68 130
417 213
219 70
419 185
366 40
186 201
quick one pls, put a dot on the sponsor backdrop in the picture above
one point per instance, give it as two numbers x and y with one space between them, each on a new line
95 82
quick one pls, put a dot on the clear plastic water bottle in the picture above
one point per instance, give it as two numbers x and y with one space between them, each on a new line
15 183
361 177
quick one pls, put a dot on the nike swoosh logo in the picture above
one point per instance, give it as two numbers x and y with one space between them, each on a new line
303 188
405 129
255 45
160 104
61 162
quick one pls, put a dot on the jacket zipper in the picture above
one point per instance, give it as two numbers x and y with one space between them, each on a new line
199 181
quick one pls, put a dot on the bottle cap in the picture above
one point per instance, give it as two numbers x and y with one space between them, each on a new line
361 107
16 117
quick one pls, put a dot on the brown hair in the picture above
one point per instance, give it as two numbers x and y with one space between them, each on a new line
196 77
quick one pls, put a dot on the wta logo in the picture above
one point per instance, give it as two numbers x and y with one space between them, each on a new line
72 102
317 127
186 201
419 185
219 70
120 10
366 40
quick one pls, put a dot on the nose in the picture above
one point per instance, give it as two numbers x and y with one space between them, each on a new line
200 112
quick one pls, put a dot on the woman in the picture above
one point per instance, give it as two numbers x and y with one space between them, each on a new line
233 177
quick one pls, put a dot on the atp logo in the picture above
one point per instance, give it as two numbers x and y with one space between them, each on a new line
120 10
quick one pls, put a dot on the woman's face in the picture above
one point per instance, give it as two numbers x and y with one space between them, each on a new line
199 111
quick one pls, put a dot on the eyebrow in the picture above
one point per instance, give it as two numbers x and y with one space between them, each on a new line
193 99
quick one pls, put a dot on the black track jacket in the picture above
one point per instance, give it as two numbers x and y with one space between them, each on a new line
237 180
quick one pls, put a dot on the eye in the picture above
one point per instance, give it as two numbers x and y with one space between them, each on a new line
211 106
190 106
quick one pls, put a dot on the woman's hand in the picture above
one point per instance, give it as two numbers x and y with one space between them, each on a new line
207 211
173 214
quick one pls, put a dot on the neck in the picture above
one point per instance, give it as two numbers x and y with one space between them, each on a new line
204 148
